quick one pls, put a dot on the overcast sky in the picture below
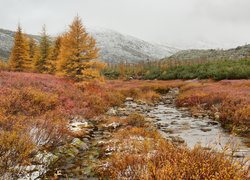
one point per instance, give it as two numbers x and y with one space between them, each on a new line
176 22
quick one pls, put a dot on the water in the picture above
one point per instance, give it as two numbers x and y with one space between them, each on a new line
203 131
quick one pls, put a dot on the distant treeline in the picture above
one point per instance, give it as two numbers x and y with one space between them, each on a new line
217 70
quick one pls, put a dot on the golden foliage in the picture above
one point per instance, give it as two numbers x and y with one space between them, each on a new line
33 52
19 59
54 56
78 50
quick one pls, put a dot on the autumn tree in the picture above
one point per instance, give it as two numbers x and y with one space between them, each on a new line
19 59
78 53
54 56
32 51
41 64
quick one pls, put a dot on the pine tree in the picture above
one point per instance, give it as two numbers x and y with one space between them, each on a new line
52 63
19 55
41 64
78 53
32 49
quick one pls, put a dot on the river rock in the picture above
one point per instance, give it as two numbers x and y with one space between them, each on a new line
212 123
73 151
111 112
177 139
113 125
167 102
162 124
205 129
141 102
152 116
79 144
185 115
174 123
128 99
217 116
168 130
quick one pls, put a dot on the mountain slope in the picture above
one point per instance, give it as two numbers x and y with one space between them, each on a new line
114 47
240 52
6 43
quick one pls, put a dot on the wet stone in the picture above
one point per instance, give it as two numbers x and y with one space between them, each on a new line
167 130
129 99
177 139
174 123
168 102
213 123
205 129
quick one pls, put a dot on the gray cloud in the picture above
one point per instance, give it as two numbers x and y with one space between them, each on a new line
179 22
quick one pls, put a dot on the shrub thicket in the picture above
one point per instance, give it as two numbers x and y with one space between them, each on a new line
217 70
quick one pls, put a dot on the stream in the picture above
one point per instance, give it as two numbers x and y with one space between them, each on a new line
175 124
178 125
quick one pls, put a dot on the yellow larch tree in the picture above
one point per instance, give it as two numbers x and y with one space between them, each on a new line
54 56
79 53
32 52
19 58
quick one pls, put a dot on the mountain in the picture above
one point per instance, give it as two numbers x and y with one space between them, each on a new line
117 47
6 43
204 44
114 46
237 53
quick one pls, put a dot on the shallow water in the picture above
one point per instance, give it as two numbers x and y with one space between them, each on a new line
203 131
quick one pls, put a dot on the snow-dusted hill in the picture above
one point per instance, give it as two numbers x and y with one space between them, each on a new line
6 42
114 47
117 47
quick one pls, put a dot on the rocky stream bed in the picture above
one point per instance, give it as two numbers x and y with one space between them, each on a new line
78 159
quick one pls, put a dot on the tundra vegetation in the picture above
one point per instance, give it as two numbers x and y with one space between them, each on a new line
55 81
176 69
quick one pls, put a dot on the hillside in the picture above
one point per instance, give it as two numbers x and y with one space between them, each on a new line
240 52
115 47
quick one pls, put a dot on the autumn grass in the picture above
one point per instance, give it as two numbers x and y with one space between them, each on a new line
229 99
147 91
